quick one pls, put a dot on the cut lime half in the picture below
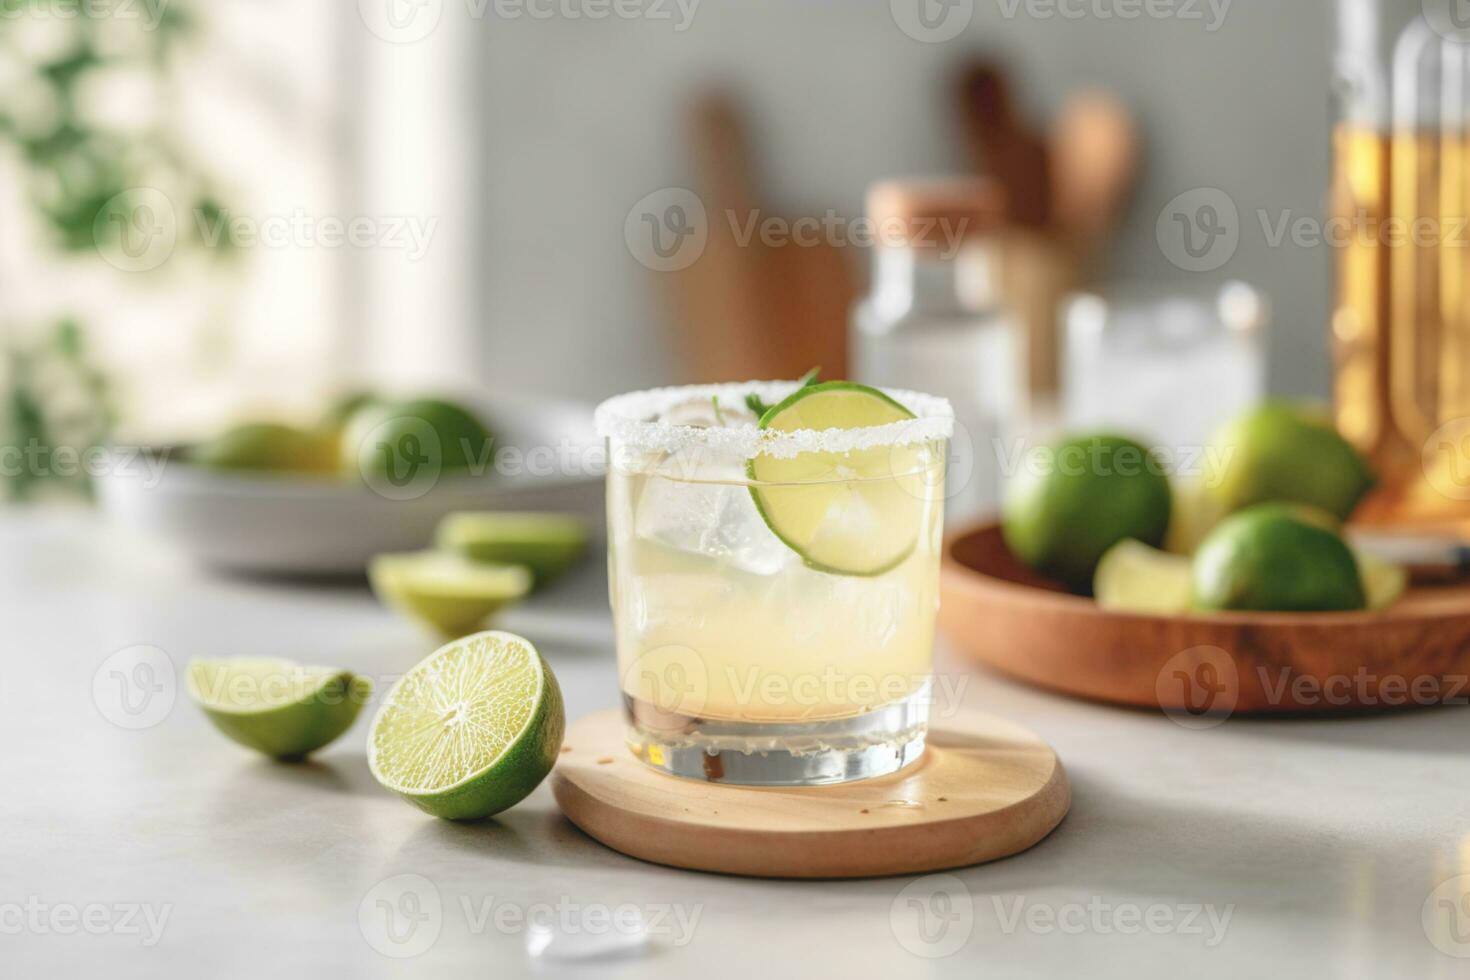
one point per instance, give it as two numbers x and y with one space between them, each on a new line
851 513
1134 578
278 707
547 544
471 730
446 591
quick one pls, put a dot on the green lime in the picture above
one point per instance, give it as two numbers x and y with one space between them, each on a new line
1132 577
277 707
1272 557
547 544
340 410
268 447
1283 452
386 437
471 730
445 590
854 513
1093 491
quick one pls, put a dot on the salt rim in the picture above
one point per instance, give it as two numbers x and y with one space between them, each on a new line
631 420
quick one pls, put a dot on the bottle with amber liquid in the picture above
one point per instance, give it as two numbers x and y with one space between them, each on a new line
1401 209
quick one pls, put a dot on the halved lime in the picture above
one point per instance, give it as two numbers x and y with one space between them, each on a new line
1134 578
853 513
547 544
444 590
278 707
471 730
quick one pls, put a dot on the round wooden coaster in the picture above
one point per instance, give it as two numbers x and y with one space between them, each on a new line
984 789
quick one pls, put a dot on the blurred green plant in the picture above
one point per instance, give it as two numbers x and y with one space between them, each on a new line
80 171
84 174
57 411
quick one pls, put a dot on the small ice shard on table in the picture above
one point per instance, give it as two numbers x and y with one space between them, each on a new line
622 933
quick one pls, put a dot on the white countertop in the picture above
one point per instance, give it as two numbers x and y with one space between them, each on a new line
1271 847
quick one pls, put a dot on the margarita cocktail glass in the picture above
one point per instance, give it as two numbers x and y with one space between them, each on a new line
775 577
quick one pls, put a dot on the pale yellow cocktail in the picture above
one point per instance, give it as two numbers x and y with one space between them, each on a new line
774 589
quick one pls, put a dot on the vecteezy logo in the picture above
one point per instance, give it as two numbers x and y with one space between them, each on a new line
667 684
1446 917
1446 459
401 916
136 230
401 458
135 687
1199 230
1449 18
932 21
1198 688
933 916
667 230
400 21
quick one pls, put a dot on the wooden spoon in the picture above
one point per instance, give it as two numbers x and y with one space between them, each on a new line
1002 145
1094 154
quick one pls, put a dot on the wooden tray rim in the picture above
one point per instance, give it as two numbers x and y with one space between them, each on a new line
966 576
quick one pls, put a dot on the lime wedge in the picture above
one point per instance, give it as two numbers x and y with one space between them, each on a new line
855 513
1194 513
445 591
1383 581
471 730
277 707
1134 578
547 544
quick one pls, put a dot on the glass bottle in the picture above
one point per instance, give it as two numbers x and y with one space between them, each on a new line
933 320
1401 199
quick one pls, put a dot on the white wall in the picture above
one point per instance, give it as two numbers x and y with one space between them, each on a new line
579 119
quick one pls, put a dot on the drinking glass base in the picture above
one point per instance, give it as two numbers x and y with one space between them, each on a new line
751 753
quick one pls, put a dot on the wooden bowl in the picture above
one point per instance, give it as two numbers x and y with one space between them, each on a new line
1008 617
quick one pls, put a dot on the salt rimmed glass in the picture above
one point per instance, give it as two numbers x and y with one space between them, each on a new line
740 660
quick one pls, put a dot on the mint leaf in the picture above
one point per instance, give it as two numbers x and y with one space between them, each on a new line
760 408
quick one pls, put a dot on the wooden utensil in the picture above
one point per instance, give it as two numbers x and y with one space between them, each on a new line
1002 145
1006 616
749 309
720 308
984 789
1037 272
1094 159
1066 191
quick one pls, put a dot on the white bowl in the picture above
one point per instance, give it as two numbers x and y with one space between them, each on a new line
305 525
